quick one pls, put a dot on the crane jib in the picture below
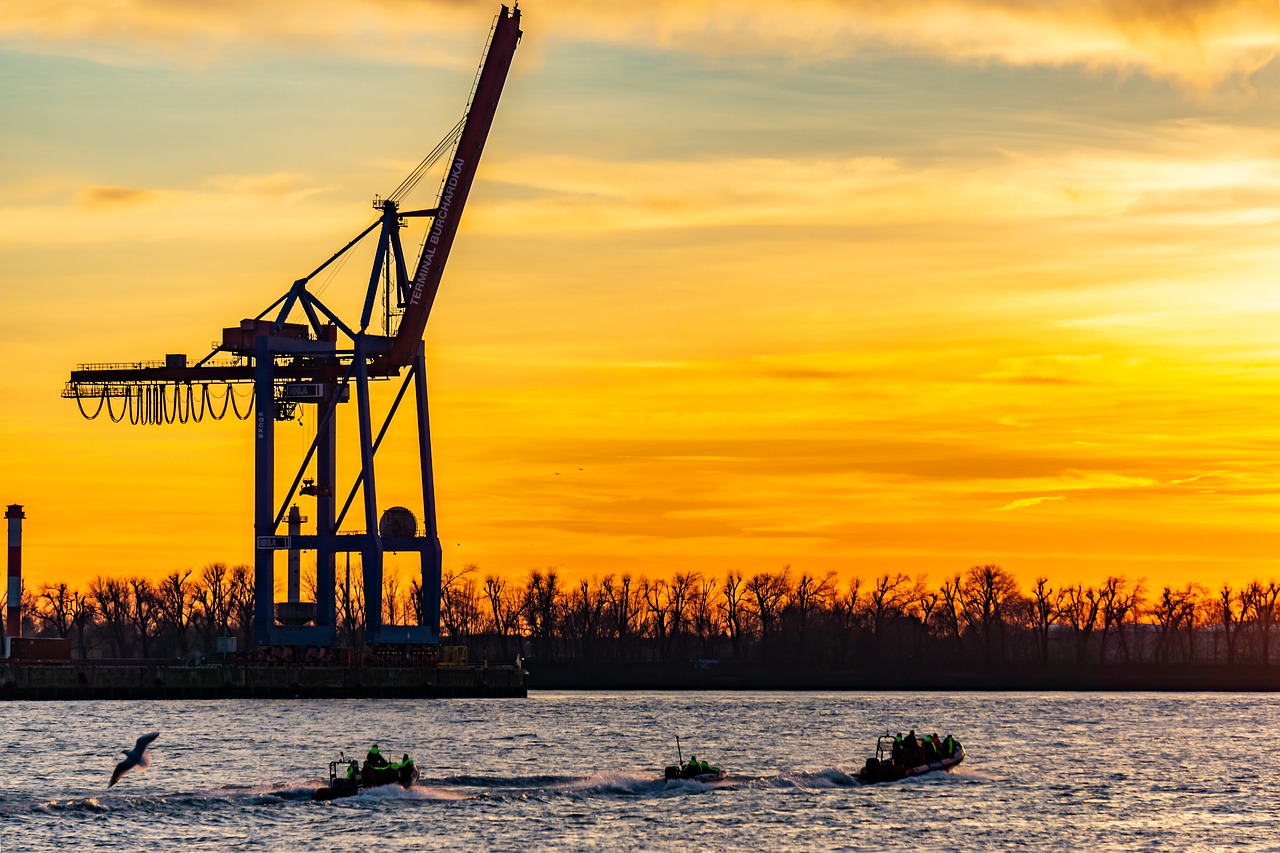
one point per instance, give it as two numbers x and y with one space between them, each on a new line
442 216
453 194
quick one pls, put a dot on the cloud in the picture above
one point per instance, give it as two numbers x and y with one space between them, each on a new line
276 185
1197 42
1194 41
1026 502
1172 184
101 197
234 207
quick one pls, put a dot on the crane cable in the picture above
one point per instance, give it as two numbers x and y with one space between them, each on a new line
151 405
101 399
407 185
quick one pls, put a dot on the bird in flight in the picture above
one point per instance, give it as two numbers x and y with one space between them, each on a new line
136 757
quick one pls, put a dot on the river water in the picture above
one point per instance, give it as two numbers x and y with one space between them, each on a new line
570 771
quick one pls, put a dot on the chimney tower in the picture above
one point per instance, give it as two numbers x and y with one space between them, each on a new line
14 513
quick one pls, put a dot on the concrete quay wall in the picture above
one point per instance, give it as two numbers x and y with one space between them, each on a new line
240 681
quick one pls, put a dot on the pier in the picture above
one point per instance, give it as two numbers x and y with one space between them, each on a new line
143 680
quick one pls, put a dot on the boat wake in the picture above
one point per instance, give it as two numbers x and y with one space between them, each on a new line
233 796
830 777
609 783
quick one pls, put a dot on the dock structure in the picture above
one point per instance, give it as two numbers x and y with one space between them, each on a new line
150 680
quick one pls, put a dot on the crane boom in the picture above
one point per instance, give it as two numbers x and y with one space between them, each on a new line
453 195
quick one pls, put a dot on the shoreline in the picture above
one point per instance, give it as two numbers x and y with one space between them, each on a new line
73 681
1112 678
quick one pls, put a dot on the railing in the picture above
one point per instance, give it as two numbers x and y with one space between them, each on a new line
156 364
121 365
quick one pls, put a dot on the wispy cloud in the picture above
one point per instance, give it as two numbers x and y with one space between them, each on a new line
1167 185
98 197
1198 42
1026 502
221 207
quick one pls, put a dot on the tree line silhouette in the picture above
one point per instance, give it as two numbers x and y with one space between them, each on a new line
978 617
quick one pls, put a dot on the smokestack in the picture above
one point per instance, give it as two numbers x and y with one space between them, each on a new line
15 515
294 589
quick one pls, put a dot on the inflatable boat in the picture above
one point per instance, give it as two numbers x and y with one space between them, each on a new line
897 758
693 769
345 780
704 773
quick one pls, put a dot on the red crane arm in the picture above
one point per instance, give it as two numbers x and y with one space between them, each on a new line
453 196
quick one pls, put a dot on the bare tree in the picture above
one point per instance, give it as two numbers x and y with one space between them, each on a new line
393 611
986 595
658 609
240 599
679 593
351 603
1080 607
82 619
704 614
110 598
950 609
1260 608
542 607
811 595
769 594
584 617
1046 605
1167 611
55 606
733 594
505 608
144 614
212 603
1229 615
175 599
888 600
460 603
625 608
1121 603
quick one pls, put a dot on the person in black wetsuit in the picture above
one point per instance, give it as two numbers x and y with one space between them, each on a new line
899 750
912 747
375 758
405 769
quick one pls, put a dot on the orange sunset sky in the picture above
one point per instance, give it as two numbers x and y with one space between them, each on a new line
850 285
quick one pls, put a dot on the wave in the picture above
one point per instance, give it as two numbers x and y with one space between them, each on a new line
417 792
478 781
829 777
226 795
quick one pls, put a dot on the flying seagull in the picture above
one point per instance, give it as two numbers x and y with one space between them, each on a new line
136 757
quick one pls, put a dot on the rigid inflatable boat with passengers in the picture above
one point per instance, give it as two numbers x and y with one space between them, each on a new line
896 758
693 769
702 772
352 780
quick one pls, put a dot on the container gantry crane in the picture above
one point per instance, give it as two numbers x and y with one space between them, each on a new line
299 352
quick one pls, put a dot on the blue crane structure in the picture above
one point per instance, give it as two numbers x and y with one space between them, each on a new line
299 352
